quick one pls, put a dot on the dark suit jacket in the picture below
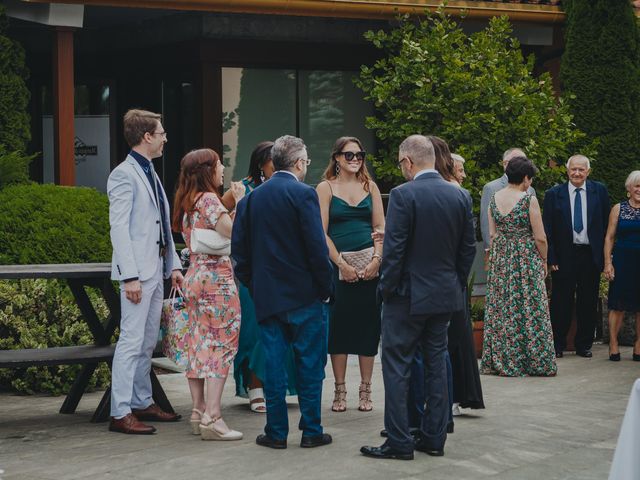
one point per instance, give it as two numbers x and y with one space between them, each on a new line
280 247
429 245
558 224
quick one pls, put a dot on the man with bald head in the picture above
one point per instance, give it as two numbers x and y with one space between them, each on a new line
575 220
492 187
429 246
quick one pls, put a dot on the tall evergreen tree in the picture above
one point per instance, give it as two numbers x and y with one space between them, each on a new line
14 95
600 75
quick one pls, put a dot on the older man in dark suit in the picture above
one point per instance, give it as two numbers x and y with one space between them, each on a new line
279 245
575 220
429 248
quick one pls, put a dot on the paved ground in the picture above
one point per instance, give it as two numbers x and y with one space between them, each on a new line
533 428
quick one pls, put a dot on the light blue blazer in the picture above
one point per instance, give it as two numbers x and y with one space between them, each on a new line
134 217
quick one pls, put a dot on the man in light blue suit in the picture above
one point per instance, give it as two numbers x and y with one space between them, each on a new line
143 255
492 187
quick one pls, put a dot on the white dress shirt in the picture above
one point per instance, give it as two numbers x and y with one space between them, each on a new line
579 238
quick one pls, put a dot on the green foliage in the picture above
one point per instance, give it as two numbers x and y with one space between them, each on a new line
39 314
53 224
601 72
14 167
475 91
14 95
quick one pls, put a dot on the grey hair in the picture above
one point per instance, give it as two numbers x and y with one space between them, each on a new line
579 157
632 180
457 158
286 151
419 149
510 153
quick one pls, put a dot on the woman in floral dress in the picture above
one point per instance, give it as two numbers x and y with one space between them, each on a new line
210 292
518 340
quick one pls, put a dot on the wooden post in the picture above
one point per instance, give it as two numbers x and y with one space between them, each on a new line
63 107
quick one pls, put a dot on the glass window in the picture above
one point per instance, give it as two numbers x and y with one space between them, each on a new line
263 104
257 105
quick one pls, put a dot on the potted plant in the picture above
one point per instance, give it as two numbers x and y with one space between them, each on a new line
477 324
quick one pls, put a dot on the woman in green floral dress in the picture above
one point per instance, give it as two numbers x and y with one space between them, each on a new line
518 340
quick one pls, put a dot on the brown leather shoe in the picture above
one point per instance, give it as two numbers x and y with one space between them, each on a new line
130 424
154 413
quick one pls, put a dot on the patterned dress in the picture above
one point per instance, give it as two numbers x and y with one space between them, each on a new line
518 340
211 298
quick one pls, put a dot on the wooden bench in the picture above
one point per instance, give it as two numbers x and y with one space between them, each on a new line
78 277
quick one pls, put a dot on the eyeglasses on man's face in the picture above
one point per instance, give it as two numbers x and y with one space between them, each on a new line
162 134
306 161
349 156
399 163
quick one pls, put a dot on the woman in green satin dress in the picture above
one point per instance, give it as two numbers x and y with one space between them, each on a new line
351 208
249 364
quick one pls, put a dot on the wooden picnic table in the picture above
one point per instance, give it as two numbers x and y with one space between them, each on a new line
79 276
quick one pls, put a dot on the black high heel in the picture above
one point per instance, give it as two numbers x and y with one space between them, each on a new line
615 357
636 357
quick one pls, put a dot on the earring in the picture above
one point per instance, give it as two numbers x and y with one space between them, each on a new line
337 169
628 195
262 178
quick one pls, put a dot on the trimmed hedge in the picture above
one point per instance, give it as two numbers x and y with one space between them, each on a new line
53 224
600 73
49 224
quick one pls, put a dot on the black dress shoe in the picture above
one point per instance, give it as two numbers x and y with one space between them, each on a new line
559 354
614 357
434 452
584 353
384 433
315 440
266 441
385 451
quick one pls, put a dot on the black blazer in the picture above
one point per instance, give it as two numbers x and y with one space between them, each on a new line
429 245
280 247
558 224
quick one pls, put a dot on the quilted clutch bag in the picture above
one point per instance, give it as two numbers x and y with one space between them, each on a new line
358 260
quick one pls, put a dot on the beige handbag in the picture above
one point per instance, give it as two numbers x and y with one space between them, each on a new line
358 260
209 242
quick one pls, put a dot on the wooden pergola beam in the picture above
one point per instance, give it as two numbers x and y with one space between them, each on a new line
63 107
365 9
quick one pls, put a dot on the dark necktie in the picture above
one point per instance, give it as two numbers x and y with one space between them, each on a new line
157 189
577 212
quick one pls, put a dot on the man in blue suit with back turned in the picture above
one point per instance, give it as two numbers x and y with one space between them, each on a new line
279 245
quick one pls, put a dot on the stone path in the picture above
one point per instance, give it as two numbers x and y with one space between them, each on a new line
533 428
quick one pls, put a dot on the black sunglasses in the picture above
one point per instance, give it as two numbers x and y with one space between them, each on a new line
348 156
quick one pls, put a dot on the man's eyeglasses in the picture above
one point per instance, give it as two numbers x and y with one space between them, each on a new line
401 160
307 161
162 134
348 156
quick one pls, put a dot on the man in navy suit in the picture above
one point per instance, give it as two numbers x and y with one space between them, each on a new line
429 247
279 245
575 220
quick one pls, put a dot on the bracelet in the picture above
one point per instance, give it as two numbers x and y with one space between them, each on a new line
378 256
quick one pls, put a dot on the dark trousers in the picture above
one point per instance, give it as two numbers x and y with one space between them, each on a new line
305 329
575 283
416 395
402 333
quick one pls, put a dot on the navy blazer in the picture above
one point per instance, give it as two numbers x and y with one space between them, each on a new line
280 247
558 224
429 245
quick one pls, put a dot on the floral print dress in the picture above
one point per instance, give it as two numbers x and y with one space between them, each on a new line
211 298
518 339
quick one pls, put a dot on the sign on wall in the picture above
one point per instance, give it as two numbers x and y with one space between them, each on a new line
92 150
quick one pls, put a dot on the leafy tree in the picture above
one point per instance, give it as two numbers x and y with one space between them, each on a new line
600 72
475 91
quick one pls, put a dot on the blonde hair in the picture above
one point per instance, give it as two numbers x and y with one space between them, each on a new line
632 179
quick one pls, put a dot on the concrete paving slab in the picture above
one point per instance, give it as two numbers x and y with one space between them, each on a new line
533 428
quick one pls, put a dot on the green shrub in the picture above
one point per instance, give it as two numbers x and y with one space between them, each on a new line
600 74
15 130
49 224
39 314
14 167
475 91
53 224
